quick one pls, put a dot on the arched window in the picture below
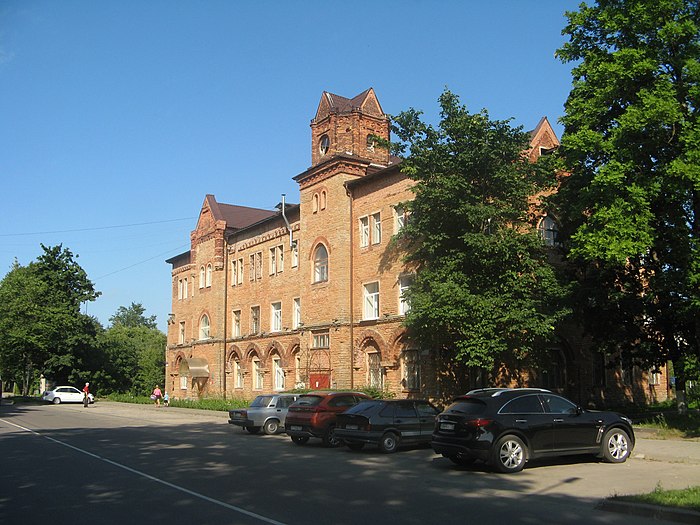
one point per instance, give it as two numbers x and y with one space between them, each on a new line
315 203
204 327
375 377
208 278
549 231
201 277
323 200
320 264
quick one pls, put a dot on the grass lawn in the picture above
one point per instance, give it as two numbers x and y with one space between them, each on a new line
684 499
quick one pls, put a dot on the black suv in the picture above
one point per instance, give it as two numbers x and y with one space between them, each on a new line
507 427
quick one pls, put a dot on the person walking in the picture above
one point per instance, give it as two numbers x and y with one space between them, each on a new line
166 399
157 395
86 398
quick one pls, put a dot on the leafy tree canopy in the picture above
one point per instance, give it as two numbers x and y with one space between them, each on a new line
132 317
483 288
630 208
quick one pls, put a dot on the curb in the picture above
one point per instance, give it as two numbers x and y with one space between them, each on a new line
650 511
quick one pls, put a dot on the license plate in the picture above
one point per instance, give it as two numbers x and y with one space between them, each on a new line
295 427
351 427
447 426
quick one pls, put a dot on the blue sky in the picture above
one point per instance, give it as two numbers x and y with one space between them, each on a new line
118 117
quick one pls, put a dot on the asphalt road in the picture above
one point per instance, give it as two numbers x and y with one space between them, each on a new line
123 464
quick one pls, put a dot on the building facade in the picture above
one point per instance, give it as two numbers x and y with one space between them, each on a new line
310 295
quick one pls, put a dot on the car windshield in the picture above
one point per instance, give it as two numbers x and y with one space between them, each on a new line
467 406
261 401
309 401
363 407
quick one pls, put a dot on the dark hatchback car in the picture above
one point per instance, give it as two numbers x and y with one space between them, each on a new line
314 415
387 423
507 427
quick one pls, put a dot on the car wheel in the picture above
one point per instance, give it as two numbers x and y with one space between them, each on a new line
56 401
329 439
462 461
271 427
300 440
253 430
355 446
509 454
389 442
616 446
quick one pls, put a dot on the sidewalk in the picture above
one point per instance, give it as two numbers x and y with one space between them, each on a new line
668 450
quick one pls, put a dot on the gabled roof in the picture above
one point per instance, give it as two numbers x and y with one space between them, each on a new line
236 217
332 103
544 129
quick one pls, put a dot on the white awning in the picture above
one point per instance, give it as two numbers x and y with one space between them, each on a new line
194 367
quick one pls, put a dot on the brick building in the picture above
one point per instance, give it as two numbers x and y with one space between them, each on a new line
309 295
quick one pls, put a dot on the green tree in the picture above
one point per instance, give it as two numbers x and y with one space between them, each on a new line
135 352
132 316
41 327
631 206
483 289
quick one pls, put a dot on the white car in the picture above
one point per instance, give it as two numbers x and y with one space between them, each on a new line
65 394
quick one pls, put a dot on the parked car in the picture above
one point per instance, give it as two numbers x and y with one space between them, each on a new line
507 427
387 423
314 415
268 412
65 394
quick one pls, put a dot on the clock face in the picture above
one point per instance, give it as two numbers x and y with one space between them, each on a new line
323 144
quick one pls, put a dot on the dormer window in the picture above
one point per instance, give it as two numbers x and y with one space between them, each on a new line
324 144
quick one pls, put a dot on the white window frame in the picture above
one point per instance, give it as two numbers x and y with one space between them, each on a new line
280 261
255 319
208 280
257 374
185 288
240 270
295 254
273 261
405 282
370 309
321 340
181 334
320 265
238 374
204 327
296 314
376 228
364 231
179 289
276 317
183 382
399 218
201 276
234 272
278 373
236 323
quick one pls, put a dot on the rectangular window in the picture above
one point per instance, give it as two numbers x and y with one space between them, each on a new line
257 375
374 371
240 271
251 267
185 288
181 337
296 320
364 231
258 265
295 254
321 340
276 317
399 218
404 283
280 256
179 289
376 228
371 301
236 323
273 261
411 370
239 374
183 382
654 377
234 273
278 372
255 319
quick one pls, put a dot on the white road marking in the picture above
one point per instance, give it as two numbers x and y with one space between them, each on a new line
152 478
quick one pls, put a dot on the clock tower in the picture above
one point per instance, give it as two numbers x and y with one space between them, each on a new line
346 127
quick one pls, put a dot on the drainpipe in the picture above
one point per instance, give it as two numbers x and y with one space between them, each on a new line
352 279
223 367
284 216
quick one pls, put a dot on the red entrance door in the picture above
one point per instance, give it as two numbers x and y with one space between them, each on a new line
319 381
